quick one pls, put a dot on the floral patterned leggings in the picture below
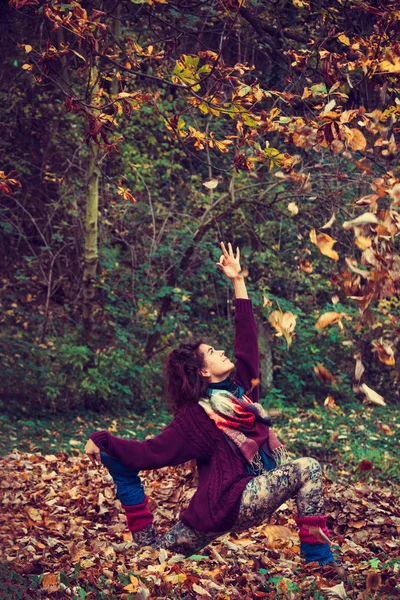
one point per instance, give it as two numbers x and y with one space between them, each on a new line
300 479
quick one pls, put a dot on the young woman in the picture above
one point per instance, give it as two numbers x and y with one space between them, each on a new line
244 475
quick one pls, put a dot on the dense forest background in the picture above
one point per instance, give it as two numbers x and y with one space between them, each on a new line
137 135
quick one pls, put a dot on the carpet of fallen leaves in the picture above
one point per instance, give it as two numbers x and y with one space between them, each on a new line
59 513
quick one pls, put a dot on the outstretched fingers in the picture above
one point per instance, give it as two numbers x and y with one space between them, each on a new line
224 250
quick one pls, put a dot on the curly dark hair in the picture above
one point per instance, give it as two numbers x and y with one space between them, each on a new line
184 384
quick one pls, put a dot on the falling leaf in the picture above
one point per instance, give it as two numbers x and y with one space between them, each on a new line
394 193
359 370
367 218
284 323
386 429
275 533
306 266
385 353
211 184
267 301
372 396
330 222
328 318
323 374
365 465
28 48
330 403
293 208
356 139
325 244
27 67
363 243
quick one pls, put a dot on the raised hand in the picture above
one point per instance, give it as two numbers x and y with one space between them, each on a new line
228 263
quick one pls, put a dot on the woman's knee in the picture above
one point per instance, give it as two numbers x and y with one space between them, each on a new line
309 467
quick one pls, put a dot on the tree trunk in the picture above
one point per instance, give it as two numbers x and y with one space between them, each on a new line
91 234
266 362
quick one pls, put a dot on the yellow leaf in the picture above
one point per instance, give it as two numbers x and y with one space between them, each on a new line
27 67
28 48
132 587
313 236
293 208
328 318
329 223
344 39
363 243
306 266
325 244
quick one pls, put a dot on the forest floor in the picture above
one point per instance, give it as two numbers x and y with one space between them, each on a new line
63 533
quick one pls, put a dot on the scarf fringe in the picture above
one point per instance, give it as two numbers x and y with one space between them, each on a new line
281 456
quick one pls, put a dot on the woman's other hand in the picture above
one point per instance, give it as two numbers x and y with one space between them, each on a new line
228 263
93 452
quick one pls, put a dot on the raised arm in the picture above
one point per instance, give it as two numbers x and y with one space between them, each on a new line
246 342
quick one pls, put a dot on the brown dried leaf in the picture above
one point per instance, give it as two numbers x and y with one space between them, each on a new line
385 353
323 374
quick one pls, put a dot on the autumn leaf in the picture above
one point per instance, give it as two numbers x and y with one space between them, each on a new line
284 323
355 139
132 587
306 266
330 222
211 184
386 429
330 403
327 319
50 583
359 369
200 590
323 374
367 218
365 465
325 244
372 396
34 513
385 353
293 208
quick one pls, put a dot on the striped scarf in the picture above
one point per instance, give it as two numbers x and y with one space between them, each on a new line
246 425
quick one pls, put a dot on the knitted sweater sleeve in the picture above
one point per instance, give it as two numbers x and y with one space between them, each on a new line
171 447
246 347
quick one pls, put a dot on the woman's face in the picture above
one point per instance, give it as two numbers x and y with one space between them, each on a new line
218 366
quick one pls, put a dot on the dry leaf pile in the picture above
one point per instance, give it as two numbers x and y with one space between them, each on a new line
58 511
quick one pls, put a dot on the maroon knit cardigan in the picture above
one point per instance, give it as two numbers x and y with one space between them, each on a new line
193 435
